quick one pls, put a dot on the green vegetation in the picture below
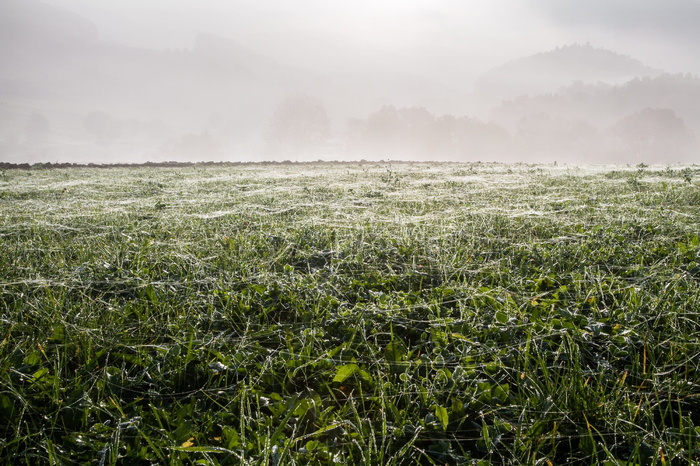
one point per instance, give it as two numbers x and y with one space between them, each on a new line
350 314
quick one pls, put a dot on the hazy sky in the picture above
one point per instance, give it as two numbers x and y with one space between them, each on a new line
453 38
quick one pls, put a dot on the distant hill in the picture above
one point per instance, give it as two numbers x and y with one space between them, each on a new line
52 52
54 68
546 72
603 104
33 20
67 95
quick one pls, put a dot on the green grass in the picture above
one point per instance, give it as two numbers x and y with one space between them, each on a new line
350 314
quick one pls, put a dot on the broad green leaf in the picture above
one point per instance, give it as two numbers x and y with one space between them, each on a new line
501 392
395 351
501 317
39 374
442 415
311 445
345 371
231 437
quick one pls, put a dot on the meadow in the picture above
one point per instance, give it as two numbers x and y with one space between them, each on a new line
364 314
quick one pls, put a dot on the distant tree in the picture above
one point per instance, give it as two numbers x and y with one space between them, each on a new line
385 128
299 124
416 118
444 137
654 135
415 132
467 138
421 132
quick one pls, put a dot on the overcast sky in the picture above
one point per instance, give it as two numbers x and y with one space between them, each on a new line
454 38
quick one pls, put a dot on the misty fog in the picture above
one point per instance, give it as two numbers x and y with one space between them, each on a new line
531 81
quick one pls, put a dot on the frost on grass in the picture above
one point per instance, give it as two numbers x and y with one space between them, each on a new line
350 313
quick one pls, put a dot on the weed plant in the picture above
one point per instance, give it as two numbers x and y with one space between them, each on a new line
350 314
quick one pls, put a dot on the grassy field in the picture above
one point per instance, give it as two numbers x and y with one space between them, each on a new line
350 314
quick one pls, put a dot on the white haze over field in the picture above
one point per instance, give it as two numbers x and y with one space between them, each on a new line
444 39
516 80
